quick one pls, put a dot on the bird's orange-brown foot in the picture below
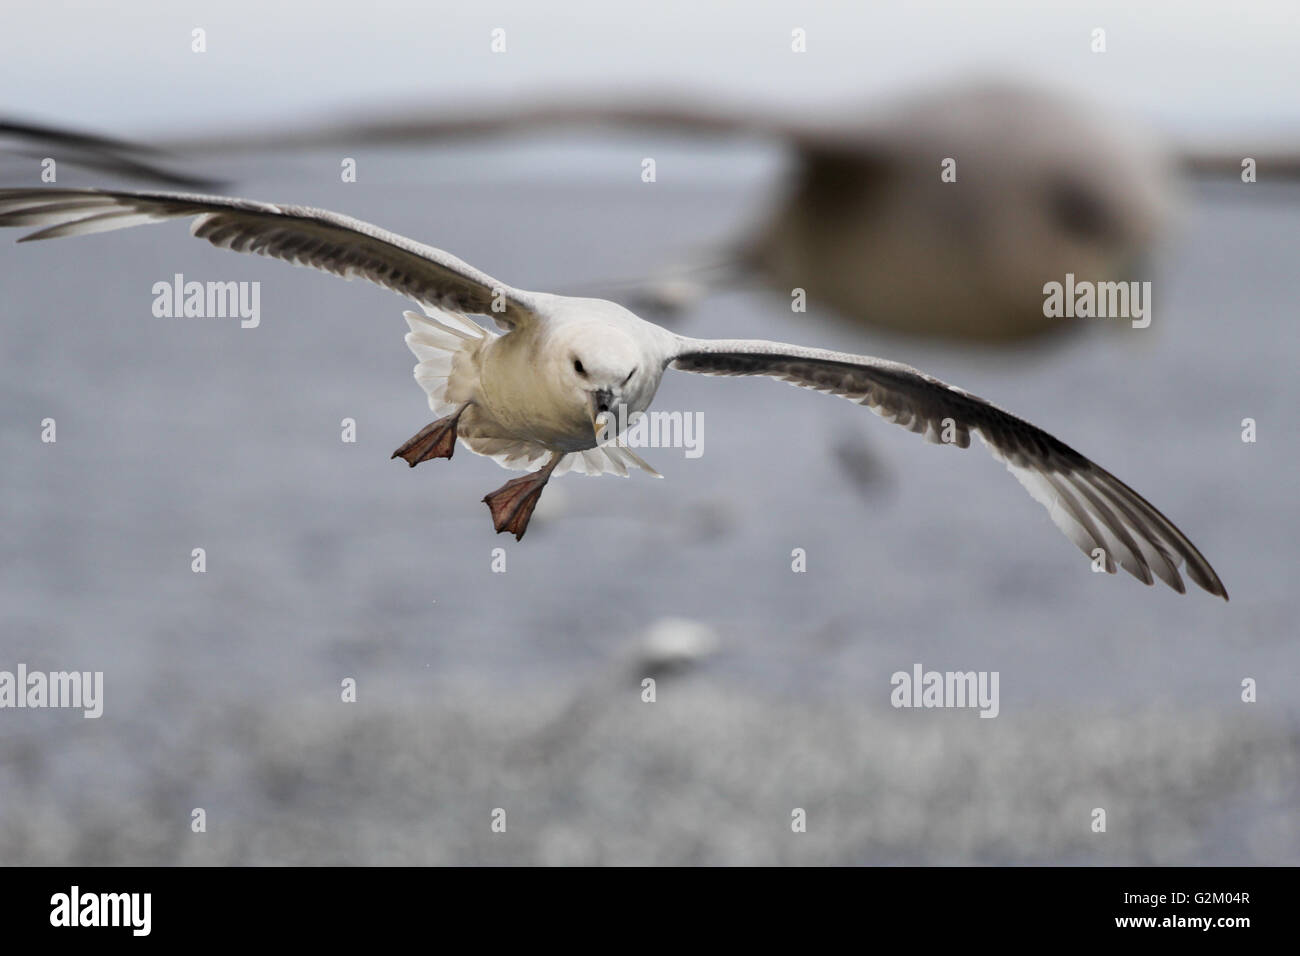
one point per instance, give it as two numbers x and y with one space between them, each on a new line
437 440
512 504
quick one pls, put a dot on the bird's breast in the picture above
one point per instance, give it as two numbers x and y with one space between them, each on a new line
529 399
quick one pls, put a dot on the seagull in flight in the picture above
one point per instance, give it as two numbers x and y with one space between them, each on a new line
539 392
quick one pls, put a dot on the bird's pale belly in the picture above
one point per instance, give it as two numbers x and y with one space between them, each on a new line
518 400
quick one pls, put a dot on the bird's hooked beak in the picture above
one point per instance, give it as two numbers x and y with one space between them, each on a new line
602 401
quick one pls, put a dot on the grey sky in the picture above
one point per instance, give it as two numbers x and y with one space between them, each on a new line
1197 67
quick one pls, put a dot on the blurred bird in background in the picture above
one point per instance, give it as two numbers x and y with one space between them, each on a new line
1038 184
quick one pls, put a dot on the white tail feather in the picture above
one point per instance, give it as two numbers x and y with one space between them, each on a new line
436 341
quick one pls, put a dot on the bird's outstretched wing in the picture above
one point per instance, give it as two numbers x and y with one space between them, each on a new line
1094 508
317 238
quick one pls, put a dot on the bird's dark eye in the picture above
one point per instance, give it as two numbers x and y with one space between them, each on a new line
629 376
577 367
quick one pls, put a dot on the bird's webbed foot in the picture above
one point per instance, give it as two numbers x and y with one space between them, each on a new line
512 504
437 440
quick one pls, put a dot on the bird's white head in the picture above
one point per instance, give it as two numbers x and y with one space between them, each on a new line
606 372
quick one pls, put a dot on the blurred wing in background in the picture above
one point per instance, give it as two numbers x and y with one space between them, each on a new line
98 153
421 125
1223 165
